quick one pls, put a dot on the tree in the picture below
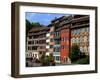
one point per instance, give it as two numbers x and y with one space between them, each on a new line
28 26
46 60
84 60
36 24
42 58
74 55
50 58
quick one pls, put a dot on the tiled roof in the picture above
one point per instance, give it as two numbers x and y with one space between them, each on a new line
38 29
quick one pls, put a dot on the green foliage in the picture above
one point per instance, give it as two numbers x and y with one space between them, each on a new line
83 60
36 24
42 59
74 55
50 58
29 25
77 56
45 60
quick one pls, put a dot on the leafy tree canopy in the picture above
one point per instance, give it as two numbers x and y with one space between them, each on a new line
30 25
74 55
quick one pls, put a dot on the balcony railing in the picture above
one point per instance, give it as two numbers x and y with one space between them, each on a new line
80 19
57 42
56 45
56 53
80 25
57 37
39 49
38 33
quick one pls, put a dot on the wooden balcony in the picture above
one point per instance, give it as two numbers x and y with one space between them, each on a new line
80 19
80 25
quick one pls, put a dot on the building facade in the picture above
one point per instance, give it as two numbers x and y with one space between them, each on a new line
58 37
65 45
70 30
80 32
50 41
61 39
36 42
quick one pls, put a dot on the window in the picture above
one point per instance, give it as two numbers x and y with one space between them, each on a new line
57 42
43 41
74 32
61 39
36 36
52 33
66 38
55 34
51 46
36 42
58 33
77 40
85 38
35 55
66 47
29 47
30 54
78 31
85 49
62 47
26 55
34 47
86 29
83 30
71 32
29 42
47 43
81 39
65 60
30 37
57 49
32 42
57 58
40 52
52 40
72 40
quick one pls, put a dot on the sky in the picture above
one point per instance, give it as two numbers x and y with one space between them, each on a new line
42 18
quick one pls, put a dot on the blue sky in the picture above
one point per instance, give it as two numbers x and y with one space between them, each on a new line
42 18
